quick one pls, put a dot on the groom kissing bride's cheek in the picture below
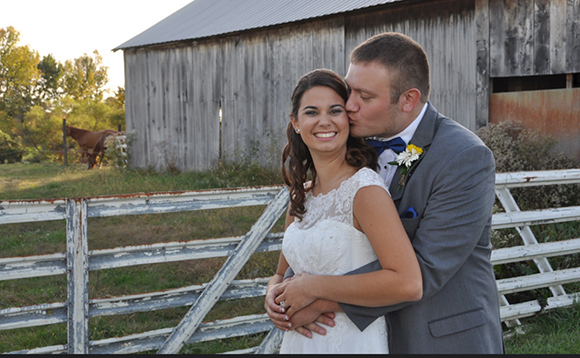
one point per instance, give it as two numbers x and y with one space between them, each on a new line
387 246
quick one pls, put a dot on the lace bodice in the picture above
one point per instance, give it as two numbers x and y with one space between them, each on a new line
325 242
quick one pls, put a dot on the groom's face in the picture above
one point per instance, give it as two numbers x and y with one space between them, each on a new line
369 106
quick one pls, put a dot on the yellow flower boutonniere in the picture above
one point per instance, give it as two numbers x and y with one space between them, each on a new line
405 159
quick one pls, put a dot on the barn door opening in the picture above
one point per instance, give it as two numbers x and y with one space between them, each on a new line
547 103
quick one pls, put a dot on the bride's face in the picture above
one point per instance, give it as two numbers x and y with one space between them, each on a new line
322 120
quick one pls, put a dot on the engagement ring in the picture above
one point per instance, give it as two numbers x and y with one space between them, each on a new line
283 304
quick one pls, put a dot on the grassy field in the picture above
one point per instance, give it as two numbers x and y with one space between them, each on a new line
46 181
551 333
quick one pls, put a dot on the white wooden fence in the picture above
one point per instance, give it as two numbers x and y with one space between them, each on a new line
78 261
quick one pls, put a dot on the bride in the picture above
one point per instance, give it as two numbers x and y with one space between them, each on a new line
340 220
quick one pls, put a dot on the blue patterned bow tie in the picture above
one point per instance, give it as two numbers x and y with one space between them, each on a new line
396 144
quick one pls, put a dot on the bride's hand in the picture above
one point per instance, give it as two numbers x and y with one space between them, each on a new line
296 293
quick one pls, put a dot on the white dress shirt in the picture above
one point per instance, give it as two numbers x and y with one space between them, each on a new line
387 171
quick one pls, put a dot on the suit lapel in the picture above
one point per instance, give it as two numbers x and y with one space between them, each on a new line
422 139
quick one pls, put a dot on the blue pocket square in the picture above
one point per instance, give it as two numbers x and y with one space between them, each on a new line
409 213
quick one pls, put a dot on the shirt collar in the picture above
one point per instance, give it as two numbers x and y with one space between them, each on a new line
407 133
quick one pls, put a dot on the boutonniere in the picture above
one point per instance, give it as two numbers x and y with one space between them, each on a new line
405 160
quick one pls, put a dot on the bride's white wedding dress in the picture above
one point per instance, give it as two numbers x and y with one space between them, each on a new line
325 242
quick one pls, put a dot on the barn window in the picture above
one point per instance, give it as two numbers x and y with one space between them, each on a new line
533 83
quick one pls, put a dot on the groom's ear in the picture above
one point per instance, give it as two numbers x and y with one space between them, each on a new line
409 99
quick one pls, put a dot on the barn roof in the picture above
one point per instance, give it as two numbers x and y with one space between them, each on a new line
203 18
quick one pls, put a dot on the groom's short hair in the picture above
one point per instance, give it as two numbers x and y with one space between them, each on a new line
402 56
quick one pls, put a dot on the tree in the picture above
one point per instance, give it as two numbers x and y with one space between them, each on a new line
51 73
41 134
18 75
85 77
18 78
10 150
117 103
35 95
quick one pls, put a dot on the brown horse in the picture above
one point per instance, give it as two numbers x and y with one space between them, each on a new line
86 139
99 148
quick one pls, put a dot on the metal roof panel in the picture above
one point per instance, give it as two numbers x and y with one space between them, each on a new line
203 18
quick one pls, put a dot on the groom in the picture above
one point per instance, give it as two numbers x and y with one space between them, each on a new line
444 198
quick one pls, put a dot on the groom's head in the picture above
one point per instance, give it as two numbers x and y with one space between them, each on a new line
388 77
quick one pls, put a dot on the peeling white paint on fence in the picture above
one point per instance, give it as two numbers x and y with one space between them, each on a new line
55 264
546 177
536 217
44 314
21 211
225 275
78 261
181 201
77 258
529 252
531 308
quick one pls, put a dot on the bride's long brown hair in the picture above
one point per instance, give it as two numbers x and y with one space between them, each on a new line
296 159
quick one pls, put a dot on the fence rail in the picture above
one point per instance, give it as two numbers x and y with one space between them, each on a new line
78 261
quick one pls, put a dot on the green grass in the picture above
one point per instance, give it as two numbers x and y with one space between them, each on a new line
554 332
52 181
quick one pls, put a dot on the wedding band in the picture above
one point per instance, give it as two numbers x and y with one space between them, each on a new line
283 304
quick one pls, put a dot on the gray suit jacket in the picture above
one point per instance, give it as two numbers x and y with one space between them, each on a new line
451 187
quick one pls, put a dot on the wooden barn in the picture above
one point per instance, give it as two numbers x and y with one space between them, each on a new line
213 81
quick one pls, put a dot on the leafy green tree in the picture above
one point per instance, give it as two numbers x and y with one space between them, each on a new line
117 103
90 114
10 150
85 77
18 79
41 134
35 95
51 73
18 75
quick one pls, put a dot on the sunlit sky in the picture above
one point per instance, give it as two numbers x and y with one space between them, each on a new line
67 29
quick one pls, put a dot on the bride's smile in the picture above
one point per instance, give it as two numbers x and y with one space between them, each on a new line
322 121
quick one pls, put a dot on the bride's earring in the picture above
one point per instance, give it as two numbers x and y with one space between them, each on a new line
298 130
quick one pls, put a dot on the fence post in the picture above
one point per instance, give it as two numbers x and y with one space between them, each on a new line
65 148
77 262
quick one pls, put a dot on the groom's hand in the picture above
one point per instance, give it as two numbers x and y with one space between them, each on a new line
320 311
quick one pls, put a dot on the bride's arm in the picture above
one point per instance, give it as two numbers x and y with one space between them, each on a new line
399 280
305 321
274 310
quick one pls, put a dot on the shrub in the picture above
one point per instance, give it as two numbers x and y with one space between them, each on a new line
519 149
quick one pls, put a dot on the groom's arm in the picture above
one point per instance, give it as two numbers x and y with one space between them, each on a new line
458 211
306 320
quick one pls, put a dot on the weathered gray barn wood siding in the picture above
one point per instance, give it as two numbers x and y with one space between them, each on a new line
534 37
482 81
170 90
260 72
445 29
174 94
